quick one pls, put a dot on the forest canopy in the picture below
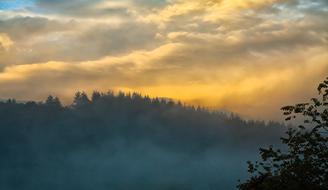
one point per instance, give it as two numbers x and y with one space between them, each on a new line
123 141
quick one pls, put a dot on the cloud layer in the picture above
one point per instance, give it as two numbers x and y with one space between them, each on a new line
249 56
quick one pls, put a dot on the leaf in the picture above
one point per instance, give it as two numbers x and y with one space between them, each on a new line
287 108
316 102
321 86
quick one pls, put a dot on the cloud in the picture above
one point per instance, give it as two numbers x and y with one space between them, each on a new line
233 86
210 10
84 8
73 40
217 53
5 41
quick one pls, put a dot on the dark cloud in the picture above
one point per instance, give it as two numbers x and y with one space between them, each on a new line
151 3
63 5
24 27
82 8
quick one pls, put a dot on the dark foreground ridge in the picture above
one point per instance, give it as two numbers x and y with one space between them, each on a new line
125 142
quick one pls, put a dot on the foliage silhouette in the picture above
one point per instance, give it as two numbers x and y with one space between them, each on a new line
304 164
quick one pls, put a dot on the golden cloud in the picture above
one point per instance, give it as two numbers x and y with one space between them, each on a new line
5 41
210 10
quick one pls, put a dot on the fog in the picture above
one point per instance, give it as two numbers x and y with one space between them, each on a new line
125 141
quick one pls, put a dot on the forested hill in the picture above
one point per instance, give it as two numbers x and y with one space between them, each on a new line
125 141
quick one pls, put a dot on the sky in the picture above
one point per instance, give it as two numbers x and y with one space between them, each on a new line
246 56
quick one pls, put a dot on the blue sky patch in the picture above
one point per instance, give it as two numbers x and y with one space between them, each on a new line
15 4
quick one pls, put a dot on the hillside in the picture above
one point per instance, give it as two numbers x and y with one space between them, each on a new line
125 141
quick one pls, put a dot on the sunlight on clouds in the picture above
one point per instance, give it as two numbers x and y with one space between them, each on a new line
212 10
5 41
113 4
247 89
128 64
22 72
247 56
265 89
